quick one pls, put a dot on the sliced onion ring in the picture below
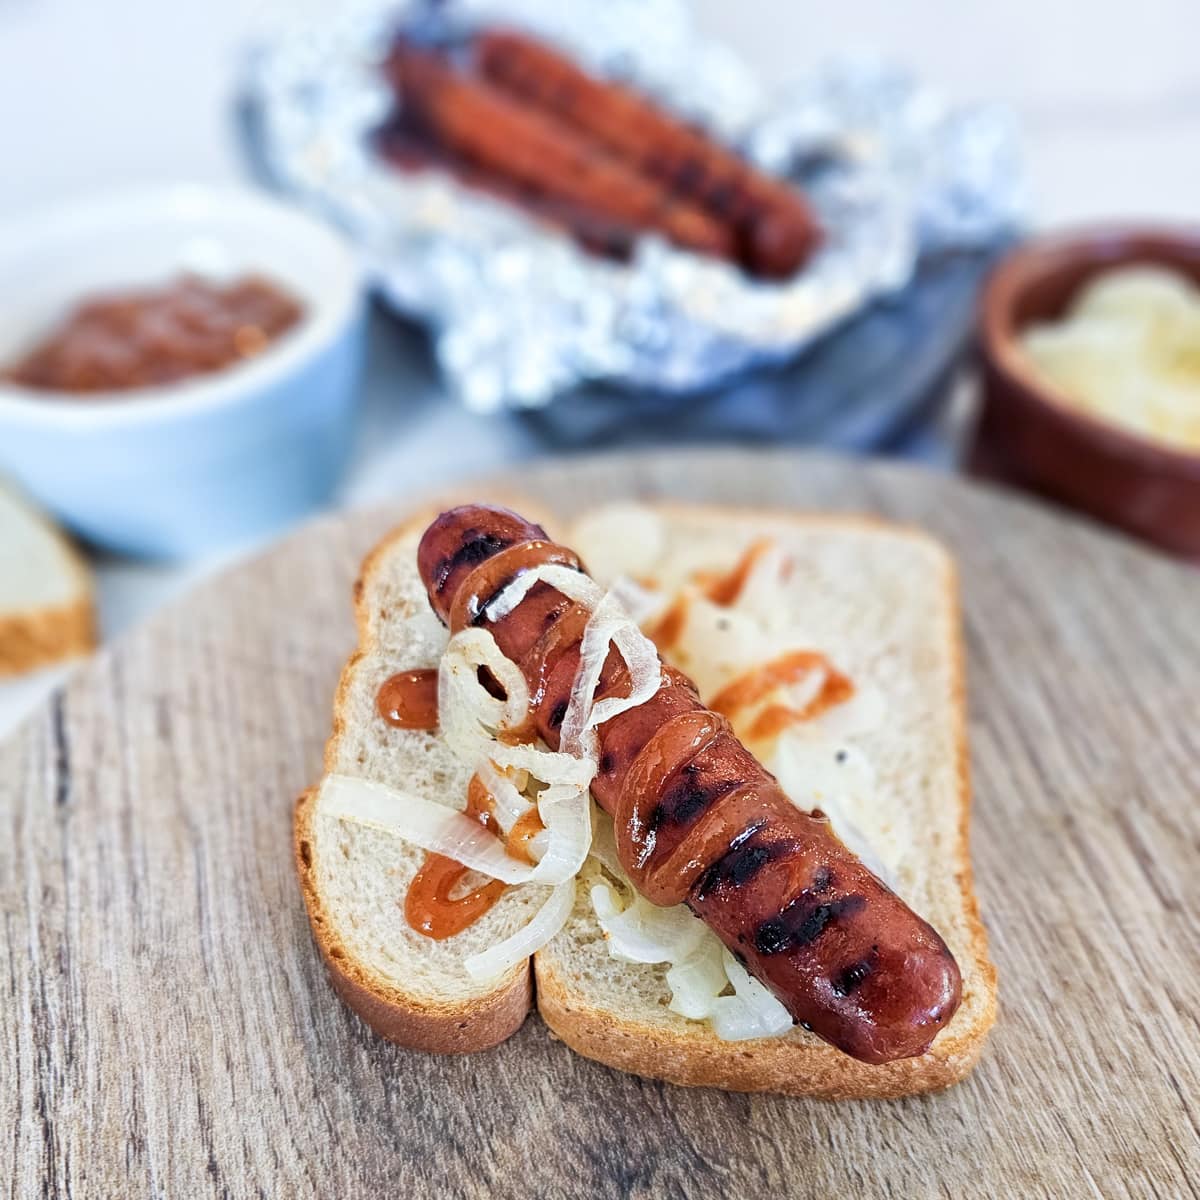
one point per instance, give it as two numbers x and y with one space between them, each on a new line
550 766
573 584
566 812
751 1012
642 932
468 714
425 823
609 624
509 805
697 981
493 962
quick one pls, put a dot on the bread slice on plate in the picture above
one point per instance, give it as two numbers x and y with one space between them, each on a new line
46 608
405 986
880 600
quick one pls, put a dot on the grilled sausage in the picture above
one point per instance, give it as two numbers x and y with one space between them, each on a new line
700 821
775 228
488 127
406 146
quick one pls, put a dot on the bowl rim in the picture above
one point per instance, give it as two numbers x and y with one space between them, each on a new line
1028 264
328 314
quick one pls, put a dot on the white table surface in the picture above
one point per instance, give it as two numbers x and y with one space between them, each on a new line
104 93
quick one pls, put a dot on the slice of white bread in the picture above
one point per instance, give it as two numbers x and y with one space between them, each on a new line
880 600
405 986
46 608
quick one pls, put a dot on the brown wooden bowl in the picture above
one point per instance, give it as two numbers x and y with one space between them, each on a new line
1031 436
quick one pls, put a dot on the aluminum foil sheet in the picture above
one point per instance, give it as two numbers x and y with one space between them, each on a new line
520 313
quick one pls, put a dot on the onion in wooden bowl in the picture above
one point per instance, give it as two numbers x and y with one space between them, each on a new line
1033 435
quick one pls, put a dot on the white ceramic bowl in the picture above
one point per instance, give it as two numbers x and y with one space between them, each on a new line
211 461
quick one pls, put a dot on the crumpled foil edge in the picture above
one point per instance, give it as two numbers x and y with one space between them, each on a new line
519 313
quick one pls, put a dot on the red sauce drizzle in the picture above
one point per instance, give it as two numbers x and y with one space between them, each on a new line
408 700
526 827
725 589
721 588
668 629
429 907
749 689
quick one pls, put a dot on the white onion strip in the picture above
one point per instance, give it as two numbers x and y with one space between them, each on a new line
642 932
573 584
550 766
493 962
609 624
565 810
751 1012
508 803
696 982
706 982
468 714
442 830
425 823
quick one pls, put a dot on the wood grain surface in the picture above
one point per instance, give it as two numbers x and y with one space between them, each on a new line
167 1029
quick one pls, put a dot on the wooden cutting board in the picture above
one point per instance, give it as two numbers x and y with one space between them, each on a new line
168 1030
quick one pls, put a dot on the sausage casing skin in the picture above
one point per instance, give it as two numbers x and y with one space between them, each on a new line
527 147
775 228
700 821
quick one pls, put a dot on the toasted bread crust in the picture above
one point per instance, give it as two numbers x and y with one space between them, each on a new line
437 1028
44 636
40 637
787 1068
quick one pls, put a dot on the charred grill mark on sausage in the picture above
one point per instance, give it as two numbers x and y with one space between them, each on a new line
802 922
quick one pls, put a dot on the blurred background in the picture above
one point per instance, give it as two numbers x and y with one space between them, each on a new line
1107 97
1032 117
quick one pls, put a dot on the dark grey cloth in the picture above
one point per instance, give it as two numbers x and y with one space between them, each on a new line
870 385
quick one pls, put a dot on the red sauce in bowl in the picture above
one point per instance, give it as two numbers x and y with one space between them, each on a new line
127 340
